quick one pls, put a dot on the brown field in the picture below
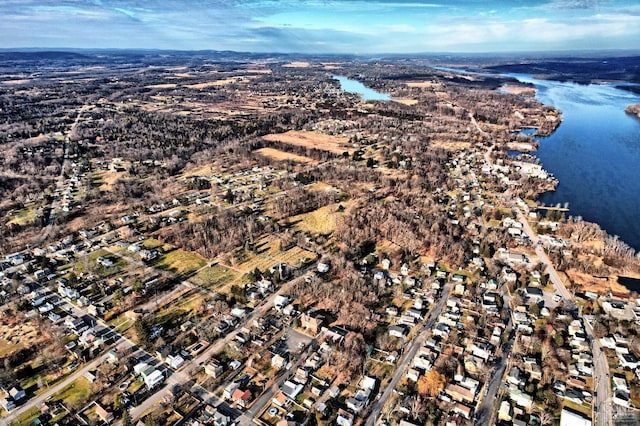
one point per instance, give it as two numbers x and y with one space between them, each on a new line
422 84
335 144
521 146
278 155
297 64
12 82
518 90
223 82
162 86
591 283
408 102
448 145
322 221
14 337
204 170
109 178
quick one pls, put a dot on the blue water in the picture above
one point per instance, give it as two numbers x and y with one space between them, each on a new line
595 154
354 86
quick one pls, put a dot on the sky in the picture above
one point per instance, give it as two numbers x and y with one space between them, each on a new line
323 26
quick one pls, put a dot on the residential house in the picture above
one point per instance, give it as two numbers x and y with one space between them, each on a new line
105 416
291 389
279 361
344 418
230 389
520 398
241 397
506 411
629 361
17 393
398 331
459 393
213 368
312 321
280 399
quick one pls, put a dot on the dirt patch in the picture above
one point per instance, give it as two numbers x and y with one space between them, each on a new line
277 155
335 144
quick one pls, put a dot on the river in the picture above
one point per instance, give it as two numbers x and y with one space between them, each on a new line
354 86
595 154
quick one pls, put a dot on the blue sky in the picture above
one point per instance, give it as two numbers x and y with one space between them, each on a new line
323 26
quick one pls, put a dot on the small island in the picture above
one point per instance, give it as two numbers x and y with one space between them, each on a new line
633 109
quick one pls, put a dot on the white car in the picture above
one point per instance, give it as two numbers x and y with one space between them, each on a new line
557 298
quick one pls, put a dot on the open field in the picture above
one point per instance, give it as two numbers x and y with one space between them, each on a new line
180 262
75 393
27 417
22 216
16 336
108 178
223 82
590 283
449 145
215 277
205 170
297 64
335 144
518 89
422 84
268 254
277 155
162 86
321 221
408 102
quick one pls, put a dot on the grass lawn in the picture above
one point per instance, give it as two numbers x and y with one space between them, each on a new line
321 221
152 243
180 262
215 277
183 307
76 393
120 323
22 216
89 263
27 417
7 348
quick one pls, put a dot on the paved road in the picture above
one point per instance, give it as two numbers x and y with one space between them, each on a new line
61 180
218 346
490 401
40 399
407 357
601 367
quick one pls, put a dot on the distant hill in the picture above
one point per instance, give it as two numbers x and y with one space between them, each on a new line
579 70
37 55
